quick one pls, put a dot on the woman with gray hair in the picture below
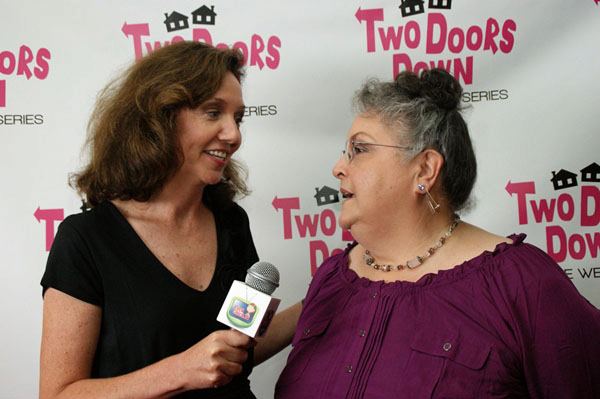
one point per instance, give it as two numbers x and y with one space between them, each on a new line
422 304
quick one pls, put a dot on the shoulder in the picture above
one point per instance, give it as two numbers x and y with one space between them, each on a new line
81 232
87 221
508 258
331 266
88 232
472 241
232 215
527 261
532 282
328 276
236 211
233 220
235 236
549 281
526 286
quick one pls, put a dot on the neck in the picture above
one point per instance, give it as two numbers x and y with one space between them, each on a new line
396 240
177 203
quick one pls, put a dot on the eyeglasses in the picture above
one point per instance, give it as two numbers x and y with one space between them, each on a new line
354 147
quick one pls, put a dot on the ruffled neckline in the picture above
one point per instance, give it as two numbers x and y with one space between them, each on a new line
430 279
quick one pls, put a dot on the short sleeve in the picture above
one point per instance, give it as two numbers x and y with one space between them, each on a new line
70 267
562 357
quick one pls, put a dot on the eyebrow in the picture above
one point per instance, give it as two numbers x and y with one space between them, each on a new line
359 133
213 102
220 102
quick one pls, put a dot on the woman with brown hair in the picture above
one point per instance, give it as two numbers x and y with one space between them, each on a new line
133 286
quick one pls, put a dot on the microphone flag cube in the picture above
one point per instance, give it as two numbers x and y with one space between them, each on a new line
248 310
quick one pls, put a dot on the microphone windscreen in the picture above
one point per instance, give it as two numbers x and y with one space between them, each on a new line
263 277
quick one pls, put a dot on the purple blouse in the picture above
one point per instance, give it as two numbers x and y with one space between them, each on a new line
506 324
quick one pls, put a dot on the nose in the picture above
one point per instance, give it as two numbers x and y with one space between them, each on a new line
230 132
339 169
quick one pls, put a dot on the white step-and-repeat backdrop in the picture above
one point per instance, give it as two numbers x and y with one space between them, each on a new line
531 76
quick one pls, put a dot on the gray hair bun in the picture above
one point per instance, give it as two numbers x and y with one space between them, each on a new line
434 86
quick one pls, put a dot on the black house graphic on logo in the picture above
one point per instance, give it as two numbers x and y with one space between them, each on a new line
443 4
591 173
412 7
563 179
326 195
204 15
176 21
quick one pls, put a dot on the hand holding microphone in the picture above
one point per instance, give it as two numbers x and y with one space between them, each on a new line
248 308
215 360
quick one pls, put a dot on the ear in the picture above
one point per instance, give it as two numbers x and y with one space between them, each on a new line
429 166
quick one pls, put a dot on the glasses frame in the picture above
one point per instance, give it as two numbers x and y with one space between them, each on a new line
350 154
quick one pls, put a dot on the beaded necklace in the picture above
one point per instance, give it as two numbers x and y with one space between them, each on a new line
416 262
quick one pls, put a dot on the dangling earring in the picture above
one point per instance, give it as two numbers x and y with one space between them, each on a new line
432 204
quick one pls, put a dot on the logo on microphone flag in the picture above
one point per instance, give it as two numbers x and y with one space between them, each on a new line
247 310
241 312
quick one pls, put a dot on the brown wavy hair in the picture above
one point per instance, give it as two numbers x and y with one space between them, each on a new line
132 138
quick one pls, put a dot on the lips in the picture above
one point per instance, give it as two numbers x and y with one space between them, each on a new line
220 154
346 194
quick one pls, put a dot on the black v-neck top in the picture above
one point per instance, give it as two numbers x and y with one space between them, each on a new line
147 312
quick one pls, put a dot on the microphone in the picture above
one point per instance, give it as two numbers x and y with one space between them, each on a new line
249 307
263 276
